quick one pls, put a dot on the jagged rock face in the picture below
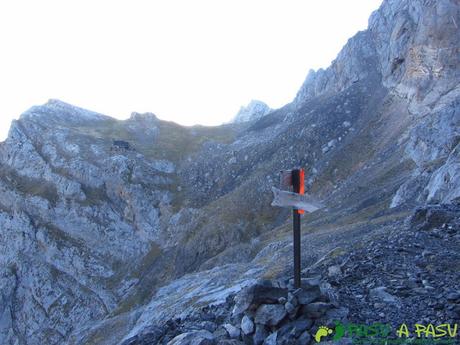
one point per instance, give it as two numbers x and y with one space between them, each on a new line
253 111
354 62
76 219
109 227
420 58
415 45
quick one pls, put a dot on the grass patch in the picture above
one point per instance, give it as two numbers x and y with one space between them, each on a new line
93 195
142 293
29 186
172 141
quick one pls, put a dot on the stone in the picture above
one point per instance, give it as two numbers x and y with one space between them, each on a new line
220 332
292 299
381 294
247 325
307 296
270 314
271 339
260 335
453 296
208 326
334 271
193 338
290 308
229 342
255 295
294 328
316 310
232 331
339 314
310 282
432 216
304 339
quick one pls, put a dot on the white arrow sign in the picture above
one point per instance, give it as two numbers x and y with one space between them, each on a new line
305 202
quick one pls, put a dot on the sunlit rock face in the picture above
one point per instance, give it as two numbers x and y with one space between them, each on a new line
108 227
253 111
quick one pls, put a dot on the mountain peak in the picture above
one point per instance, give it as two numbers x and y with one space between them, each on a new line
59 110
143 116
253 111
141 231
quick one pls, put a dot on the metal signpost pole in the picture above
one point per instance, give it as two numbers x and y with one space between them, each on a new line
299 202
296 183
297 263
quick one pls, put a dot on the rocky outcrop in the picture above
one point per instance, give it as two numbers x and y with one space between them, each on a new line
415 46
253 111
355 62
394 276
419 59
268 312
63 194
110 228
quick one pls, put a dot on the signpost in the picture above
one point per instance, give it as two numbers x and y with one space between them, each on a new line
298 184
299 202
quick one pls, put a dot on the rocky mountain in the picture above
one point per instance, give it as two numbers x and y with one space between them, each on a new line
253 111
145 232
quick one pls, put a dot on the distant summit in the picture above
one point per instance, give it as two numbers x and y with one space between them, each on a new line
143 231
57 110
253 111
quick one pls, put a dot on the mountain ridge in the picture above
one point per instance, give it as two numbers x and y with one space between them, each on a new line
253 111
110 227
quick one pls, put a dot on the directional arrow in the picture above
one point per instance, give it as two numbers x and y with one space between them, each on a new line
299 202
305 202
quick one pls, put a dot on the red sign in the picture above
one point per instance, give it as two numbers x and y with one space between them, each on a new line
293 180
301 184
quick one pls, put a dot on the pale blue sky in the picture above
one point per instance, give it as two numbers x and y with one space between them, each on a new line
186 61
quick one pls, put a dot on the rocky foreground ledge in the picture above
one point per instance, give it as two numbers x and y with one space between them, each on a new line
410 275
268 312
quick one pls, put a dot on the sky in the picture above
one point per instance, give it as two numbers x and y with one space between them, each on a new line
192 62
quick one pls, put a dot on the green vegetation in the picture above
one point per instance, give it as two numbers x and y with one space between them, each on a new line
93 195
29 186
142 293
170 141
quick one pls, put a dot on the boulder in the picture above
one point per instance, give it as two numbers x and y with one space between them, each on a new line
316 310
305 296
432 216
271 339
304 338
381 294
232 331
200 337
291 309
253 296
295 328
260 334
334 271
270 314
247 325
229 342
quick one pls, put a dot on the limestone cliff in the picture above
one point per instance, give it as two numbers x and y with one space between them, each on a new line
109 227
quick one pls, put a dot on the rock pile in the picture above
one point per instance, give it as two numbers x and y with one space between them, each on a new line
408 273
266 313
